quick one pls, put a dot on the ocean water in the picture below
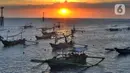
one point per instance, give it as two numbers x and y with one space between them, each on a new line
12 59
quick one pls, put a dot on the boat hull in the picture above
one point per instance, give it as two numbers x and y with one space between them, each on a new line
123 51
43 37
62 66
61 46
12 43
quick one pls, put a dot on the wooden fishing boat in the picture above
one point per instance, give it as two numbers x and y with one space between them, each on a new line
46 35
49 33
43 37
27 26
65 44
61 45
123 51
7 43
69 60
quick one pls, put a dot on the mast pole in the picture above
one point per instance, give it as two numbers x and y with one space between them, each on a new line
2 17
43 17
22 34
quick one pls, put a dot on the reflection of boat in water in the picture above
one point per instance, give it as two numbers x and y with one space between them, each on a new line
69 60
123 51
7 43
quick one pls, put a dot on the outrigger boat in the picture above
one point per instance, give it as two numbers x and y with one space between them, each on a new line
123 51
7 43
46 28
47 35
64 45
69 60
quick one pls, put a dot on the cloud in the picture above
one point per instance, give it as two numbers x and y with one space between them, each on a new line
23 2
88 5
70 4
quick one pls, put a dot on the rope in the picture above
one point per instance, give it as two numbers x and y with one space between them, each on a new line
16 34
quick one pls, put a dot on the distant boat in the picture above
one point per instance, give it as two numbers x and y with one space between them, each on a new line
128 28
114 29
27 26
49 33
43 37
123 51
7 43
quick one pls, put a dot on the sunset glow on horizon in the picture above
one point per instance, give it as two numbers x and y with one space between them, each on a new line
39 2
62 9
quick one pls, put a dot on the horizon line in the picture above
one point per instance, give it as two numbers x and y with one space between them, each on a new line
60 18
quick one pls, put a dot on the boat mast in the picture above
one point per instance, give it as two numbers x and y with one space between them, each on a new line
43 17
22 34
2 17
72 33
7 34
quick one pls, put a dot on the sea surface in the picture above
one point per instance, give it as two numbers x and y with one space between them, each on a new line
16 59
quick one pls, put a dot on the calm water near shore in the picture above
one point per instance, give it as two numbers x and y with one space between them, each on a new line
12 59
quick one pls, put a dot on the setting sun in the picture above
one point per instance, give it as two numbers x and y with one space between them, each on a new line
64 11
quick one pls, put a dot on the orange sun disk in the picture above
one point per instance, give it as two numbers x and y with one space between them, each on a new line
64 11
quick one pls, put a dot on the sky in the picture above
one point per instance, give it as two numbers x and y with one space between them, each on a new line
51 8
36 2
